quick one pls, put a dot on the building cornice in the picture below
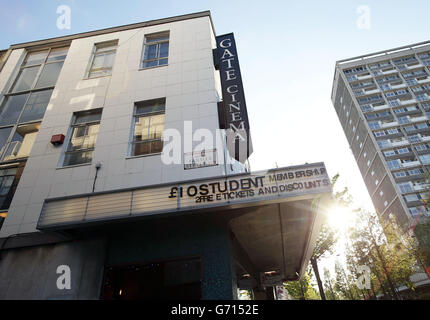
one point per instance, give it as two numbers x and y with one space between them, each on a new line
113 29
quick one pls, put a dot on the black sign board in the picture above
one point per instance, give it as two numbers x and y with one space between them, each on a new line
232 113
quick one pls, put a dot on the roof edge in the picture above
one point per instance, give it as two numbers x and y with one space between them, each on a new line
383 52
195 15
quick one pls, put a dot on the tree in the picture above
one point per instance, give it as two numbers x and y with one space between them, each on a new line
381 245
329 286
422 233
324 244
327 237
343 283
302 289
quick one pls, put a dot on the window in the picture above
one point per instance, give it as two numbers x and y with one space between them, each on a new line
411 197
393 131
425 159
414 211
103 58
374 125
156 50
403 120
40 69
25 103
83 138
148 127
403 150
405 187
394 164
414 138
22 142
384 144
416 172
400 174
421 147
9 178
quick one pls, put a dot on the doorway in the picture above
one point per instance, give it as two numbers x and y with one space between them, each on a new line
173 279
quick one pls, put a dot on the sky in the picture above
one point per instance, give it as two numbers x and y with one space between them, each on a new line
287 52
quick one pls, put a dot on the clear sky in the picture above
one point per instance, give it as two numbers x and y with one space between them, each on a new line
287 51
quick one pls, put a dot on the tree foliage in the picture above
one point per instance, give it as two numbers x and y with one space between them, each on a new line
385 249
302 289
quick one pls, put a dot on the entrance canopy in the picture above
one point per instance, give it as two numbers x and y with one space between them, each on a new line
275 214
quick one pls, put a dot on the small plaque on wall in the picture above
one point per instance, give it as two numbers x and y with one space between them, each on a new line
200 159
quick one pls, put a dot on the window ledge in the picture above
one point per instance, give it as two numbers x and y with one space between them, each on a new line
154 67
73 166
88 78
143 155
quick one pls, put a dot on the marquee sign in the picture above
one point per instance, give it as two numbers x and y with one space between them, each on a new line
253 187
243 189
232 112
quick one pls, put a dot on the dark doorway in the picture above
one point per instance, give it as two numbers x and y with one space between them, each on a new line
179 279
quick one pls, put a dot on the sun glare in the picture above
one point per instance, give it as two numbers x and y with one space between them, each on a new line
340 218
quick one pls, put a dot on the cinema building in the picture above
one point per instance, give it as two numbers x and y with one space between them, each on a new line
92 209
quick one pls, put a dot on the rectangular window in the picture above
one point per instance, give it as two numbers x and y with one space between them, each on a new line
425 159
148 127
22 142
27 100
393 131
83 138
103 59
394 164
403 150
405 187
411 197
400 174
421 147
156 50
9 178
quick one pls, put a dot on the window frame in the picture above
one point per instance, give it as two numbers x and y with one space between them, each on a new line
136 116
33 89
145 43
100 45
73 126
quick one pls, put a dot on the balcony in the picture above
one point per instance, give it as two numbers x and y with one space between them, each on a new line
398 86
372 91
423 81
411 67
380 107
405 102
399 143
364 77
389 72
420 186
416 119
411 164
389 124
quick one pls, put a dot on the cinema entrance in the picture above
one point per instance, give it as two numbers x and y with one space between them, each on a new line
200 239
